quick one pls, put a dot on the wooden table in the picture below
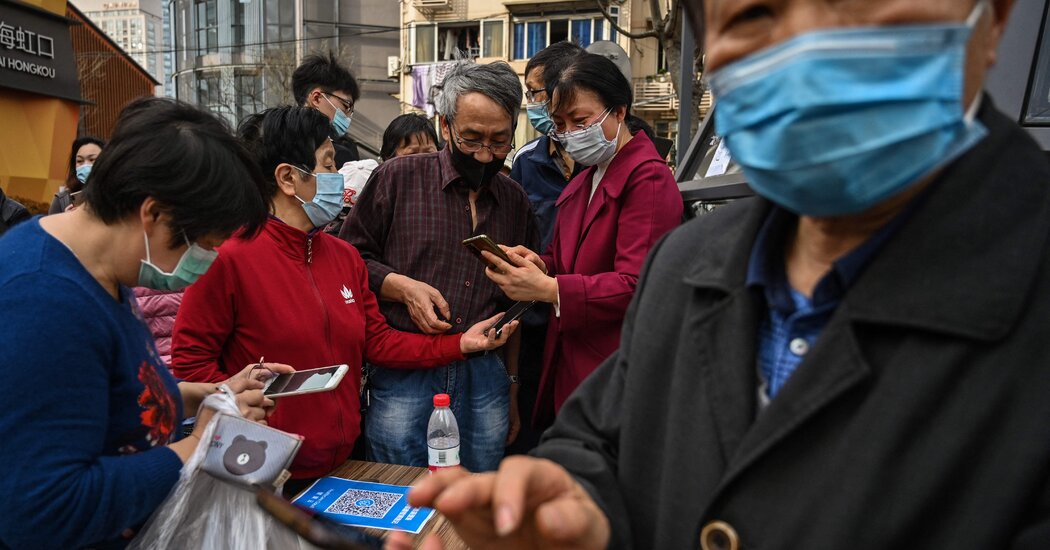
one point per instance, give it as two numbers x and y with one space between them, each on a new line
394 474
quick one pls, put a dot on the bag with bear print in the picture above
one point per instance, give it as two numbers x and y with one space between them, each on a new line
213 504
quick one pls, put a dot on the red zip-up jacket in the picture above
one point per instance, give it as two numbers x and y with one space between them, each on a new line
300 299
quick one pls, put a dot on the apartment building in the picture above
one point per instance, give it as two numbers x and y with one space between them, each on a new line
236 57
137 27
436 32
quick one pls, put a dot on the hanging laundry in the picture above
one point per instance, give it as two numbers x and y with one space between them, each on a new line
421 82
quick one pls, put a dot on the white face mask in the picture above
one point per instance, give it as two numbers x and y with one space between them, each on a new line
588 146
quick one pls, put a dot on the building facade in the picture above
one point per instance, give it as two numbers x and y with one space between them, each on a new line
110 77
137 27
435 32
236 57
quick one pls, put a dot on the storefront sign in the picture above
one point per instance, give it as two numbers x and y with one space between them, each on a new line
36 52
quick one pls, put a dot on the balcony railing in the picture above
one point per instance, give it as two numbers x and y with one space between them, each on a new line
652 94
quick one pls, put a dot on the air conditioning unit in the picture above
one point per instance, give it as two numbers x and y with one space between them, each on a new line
393 66
430 4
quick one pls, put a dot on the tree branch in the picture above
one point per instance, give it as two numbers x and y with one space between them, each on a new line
619 29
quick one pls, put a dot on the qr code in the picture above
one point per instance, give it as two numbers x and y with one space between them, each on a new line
369 504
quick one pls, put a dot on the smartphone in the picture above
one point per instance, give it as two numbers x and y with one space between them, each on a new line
316 529
305 381
513 314
483 242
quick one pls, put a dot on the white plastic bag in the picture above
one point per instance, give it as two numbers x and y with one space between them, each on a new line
206 512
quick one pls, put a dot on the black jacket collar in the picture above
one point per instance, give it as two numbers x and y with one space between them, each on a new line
946 269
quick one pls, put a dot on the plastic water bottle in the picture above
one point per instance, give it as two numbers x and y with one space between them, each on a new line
442 435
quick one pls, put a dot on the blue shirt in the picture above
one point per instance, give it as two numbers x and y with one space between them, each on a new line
88 404
794 321
543 181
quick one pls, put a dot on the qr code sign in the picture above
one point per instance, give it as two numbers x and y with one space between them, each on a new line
369 504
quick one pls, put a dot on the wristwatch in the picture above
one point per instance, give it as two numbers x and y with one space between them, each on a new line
514 378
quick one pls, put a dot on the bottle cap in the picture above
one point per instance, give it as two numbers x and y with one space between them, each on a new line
441 400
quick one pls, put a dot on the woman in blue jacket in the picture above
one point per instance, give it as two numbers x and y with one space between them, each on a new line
91 415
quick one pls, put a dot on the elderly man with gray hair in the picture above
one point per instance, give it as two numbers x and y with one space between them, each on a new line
409 224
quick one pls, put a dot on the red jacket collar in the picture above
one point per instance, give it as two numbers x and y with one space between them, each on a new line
297 244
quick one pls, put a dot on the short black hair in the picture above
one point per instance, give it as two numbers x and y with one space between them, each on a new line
325 72
592 72
287 134
72 183
188 160
402 129
553 58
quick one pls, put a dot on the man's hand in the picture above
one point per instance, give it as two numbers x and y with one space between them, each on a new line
420 299
528 503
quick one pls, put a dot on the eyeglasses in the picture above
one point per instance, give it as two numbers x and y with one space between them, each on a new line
561 133
532 94
348 106
468 146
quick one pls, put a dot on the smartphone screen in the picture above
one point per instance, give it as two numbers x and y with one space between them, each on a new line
303 381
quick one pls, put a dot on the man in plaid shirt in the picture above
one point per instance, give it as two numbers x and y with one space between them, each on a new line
409 224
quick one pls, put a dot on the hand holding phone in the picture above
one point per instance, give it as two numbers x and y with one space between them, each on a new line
305 381
513 314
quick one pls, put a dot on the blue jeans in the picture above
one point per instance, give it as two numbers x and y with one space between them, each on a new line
402 399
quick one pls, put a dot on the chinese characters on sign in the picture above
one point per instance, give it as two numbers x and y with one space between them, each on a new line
33 43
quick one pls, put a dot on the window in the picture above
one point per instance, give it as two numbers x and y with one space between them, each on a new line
492 39
249 94
532 35
207 27
208 92
529 38
426 44
280 23
433 43
237 25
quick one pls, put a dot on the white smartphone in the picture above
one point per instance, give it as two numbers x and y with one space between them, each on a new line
305 381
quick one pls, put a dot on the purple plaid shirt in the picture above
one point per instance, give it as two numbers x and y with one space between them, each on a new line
411 219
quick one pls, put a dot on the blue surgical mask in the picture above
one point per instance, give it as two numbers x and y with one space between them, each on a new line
539 117
589 146
82 172
328 199
341 121
834 122
193 263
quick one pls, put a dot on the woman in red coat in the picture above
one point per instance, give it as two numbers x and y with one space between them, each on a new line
609 216
299 296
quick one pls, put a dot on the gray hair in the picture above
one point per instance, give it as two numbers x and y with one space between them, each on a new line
496 81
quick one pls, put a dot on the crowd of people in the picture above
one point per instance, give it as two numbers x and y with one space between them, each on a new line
854 358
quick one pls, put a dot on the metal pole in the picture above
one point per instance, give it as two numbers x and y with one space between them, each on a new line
686 80
298 32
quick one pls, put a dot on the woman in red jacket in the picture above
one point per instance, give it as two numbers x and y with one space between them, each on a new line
609 216
299 296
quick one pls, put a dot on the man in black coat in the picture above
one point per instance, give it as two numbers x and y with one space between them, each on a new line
858 358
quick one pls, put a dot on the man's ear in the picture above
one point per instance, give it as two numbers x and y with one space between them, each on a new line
314 98
446 136
285 176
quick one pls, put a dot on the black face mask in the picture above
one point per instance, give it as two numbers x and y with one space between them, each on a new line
475 173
